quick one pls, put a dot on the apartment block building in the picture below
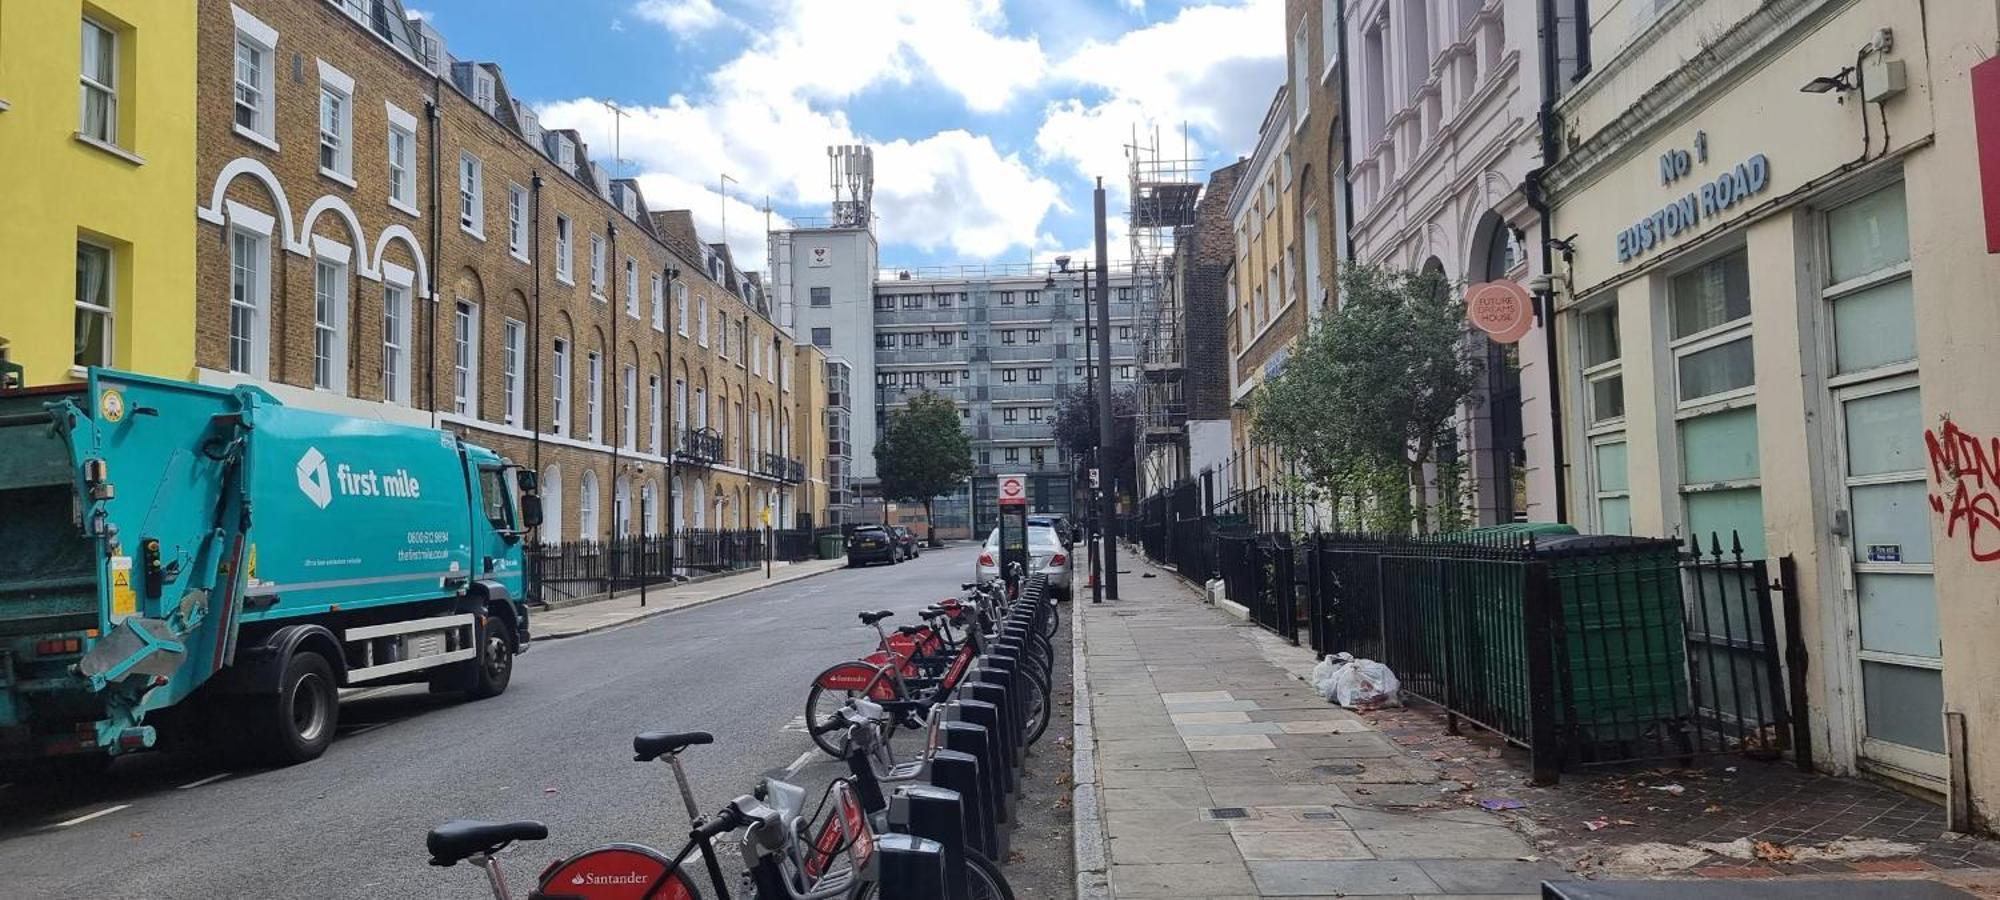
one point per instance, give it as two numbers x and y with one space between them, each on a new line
1443 135
1006 345
97 136
1267 316
384 230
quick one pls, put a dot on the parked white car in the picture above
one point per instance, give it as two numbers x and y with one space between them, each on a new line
1046 554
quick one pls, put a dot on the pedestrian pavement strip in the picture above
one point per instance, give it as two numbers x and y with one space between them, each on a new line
1224 776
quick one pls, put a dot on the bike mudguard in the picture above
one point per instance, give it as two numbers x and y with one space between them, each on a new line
614 872
857 676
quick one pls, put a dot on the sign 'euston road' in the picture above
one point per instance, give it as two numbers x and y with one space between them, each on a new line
1685 214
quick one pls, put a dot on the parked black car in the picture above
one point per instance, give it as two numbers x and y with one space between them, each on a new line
872 543
906 539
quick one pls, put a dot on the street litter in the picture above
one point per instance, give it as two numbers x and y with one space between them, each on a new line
1499 803
1356 683
1598 823
1673 789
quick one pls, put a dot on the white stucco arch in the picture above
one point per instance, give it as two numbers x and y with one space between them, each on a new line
217 212
399 232
302 244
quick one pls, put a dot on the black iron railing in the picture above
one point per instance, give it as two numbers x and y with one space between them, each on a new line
1586 649
579 569
781 467
701 446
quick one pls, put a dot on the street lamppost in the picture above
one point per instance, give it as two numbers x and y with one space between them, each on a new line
1090 397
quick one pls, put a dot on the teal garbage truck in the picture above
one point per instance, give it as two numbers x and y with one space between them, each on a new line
179 559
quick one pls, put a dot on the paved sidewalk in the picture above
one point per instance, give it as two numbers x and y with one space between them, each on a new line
1220 774
623 607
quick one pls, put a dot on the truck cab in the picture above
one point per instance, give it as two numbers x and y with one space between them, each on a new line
199 559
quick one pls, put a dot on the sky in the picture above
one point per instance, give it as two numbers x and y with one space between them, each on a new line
989 119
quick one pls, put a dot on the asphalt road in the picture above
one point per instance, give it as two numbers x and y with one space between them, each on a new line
555 747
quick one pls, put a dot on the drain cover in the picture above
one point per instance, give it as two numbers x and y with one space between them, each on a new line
1226 812
1319 816
1339 769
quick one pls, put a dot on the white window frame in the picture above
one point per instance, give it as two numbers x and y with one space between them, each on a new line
681 308
565 251
263 39
337 86
471 195
701 321
593 397
330 322
1594 373
628 408
107 309
657 430
659 303
402 125
396 340
559 387
89 86
465 358
597 267
245 226
517 221
631 288
513 372
1729 332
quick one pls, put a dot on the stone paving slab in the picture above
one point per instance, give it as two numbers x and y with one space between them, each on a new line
1223 776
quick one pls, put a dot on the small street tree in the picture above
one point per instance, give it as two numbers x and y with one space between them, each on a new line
923 453
1077 434
1369 394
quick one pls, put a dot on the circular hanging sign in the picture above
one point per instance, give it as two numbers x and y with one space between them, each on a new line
1502 309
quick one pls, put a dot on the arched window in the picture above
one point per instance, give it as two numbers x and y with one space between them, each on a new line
1500 253
551 531
621 507
586 508
679 504
649 510
699 505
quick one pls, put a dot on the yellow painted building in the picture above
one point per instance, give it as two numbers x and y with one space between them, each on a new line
97 143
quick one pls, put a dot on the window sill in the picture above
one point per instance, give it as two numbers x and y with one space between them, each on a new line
475 234
397 204
112 149
339 177
519 256
565 280
257 138
594 295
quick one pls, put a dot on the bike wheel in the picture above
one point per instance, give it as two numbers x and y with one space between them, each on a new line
822 707
1053 622
983 878
1038 707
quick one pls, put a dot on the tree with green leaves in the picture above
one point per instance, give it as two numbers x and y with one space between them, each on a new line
923 453
1076 432
1368 396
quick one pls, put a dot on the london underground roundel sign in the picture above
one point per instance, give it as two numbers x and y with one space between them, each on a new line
1013 489
1502 309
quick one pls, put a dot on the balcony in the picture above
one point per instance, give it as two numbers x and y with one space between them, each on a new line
700 446
781 467
896 355
929 315
1043 352
1039 312
1048 390
1020 431
888 396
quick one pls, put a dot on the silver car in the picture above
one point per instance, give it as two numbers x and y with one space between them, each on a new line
1046 553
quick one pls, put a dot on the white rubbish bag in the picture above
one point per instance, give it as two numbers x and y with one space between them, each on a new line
1356 683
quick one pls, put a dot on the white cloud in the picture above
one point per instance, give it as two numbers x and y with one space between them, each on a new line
1212 68
682 17
768 116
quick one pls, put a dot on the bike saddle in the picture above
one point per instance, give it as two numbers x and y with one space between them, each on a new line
457 839
654 744
870 618
910 630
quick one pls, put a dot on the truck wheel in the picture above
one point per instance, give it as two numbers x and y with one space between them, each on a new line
495 662
296 724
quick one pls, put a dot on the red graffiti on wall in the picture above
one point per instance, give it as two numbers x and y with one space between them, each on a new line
1965 470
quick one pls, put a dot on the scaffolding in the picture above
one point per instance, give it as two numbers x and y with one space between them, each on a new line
1163 194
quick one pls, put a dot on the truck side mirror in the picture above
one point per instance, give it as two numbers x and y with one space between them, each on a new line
527 481
531 510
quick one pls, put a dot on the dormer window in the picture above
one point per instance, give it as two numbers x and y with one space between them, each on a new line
482 89
565 153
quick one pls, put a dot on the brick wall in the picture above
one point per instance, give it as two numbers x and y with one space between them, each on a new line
476 269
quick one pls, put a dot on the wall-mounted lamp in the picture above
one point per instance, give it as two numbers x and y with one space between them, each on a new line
1837 82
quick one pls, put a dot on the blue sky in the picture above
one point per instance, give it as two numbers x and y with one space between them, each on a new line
988 117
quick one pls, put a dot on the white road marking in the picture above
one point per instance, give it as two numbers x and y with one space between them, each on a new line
209 780
798 724
88 816
798 764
